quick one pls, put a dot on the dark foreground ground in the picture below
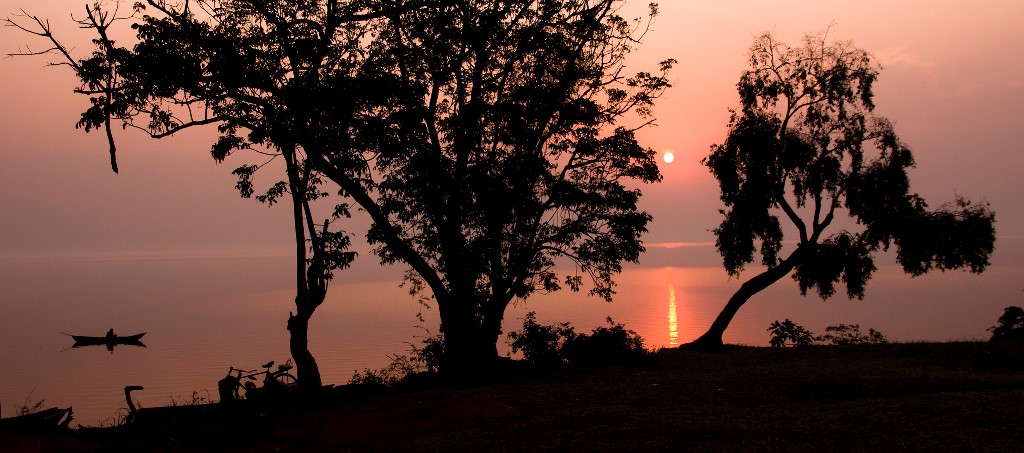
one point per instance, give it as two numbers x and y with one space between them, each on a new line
918 397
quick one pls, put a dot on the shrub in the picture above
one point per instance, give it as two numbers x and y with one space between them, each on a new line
610 345
844 334
541 345
1010 326
429 356
558 345
400 368
423 361
789 333
28 406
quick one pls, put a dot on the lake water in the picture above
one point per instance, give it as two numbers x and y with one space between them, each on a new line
203 314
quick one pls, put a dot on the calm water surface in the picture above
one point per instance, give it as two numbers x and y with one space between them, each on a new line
203 315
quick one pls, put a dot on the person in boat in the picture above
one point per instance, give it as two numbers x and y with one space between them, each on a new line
110 334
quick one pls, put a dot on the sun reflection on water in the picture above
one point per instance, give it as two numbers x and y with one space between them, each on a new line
673 324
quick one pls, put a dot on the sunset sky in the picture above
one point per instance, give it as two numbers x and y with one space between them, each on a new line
952 81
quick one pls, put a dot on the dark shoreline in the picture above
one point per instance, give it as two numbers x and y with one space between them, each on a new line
912 396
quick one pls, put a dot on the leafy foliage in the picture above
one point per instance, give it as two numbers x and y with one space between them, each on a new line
805 147
542 345
485 140
789 333
513 167
1010 326
612 345
845 334
216 63
554 346
497 152
421 363
394 374
806 137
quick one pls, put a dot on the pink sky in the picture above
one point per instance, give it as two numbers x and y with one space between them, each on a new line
953 81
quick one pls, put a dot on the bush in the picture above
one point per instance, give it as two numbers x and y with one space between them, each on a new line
429 356
844 334
423 362
540 344
400 368
1011 325
612 345
558 345
789 333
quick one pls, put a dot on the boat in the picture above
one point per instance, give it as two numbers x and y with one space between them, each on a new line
83 340
45 420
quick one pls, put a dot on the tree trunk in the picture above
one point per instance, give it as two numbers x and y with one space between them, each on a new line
310 291
469 352
712 339
494 315
306 370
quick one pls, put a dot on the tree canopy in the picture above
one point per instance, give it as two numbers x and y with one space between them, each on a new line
191 65
499 152
1010 326
486 140
805 148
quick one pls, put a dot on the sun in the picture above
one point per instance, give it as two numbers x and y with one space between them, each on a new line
669 157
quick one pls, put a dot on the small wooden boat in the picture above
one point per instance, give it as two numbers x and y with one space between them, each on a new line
83 340
44 420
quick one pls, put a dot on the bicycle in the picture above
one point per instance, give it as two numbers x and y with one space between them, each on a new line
231 387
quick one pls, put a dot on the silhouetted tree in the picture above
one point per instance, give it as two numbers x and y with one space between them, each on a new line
806 146
1010 326
482 138
498 152
233 64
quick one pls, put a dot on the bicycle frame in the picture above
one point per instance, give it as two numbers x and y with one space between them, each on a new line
273 381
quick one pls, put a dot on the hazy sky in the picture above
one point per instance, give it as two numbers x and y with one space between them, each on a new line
953 82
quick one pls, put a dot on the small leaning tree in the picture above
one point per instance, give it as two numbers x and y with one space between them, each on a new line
806 147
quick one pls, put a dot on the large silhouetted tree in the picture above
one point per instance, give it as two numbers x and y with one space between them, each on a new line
483 138
499 152
805 146
218 63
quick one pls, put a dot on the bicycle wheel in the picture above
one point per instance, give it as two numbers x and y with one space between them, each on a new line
286 380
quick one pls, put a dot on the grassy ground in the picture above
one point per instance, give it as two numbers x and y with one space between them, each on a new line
916 397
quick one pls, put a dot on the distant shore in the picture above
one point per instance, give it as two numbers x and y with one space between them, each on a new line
911 396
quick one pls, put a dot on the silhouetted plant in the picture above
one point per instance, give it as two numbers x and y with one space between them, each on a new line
211 64
420 363
484 140
28 406
844 334
497 148
558 345
431 354
396 372
541 344
789 333
610 345
1010 326
804 147
196 399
